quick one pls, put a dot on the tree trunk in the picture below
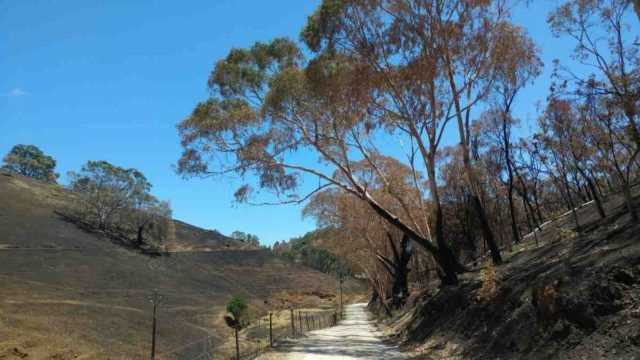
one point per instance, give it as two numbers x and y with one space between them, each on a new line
569 202
515 233
398 269
474 185
507 155
446 259
524 194
402 257
237 345
596 198
470 235
443 255
140 236
628 199
487 233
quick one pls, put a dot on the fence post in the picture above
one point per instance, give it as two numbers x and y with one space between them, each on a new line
293 323
154 300
270 330
237 344
341 306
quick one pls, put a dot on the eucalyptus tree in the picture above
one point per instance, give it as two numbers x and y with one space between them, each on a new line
149 217
117 199
373 244
617 155
610 51
512 74
29 160
268 106
434 61
105 191
606 44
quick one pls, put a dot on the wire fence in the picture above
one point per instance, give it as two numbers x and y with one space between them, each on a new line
277 328
263 334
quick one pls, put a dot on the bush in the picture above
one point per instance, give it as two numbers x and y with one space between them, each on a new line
489 278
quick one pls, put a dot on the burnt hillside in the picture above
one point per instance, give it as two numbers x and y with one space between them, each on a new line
575 294
72 294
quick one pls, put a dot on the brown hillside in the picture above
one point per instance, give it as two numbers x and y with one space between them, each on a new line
573 295
71 294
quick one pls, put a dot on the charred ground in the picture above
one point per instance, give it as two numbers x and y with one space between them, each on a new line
71 294
575 295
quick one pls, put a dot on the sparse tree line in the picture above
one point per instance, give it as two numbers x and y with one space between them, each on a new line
383 84
107 198
246 238
303 250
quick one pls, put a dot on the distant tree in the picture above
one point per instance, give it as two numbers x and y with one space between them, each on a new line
246 238
236 318
149 216
106 190
118 199
239 235
305 250
29 160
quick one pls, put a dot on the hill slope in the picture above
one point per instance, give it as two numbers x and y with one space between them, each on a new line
574 293
68 293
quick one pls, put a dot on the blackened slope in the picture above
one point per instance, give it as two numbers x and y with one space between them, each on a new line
574 297
68 292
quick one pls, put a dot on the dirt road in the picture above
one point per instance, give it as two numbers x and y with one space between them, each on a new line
354 338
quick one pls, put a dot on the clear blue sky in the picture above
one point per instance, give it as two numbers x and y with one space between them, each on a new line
92 79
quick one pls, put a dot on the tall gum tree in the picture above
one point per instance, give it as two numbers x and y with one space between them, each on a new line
607 46
434 60
268 105
520 64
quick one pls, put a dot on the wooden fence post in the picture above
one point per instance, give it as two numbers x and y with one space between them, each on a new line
293 323
300 322
270 330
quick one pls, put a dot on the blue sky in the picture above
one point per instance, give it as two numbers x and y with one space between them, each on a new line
90 79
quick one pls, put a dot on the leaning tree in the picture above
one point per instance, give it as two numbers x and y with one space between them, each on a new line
269 109
433 62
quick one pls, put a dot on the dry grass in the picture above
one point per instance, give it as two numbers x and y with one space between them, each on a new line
67 292
489 279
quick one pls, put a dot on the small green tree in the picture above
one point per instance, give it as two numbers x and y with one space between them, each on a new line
29 160
236 318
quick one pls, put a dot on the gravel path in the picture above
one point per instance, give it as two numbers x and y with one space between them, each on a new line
354 338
